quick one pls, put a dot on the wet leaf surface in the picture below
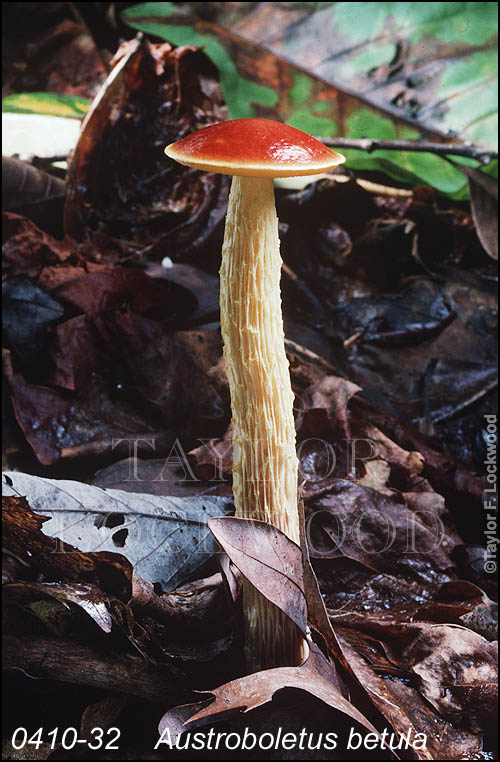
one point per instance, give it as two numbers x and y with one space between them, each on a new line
400 702
120 324
458 673
28 313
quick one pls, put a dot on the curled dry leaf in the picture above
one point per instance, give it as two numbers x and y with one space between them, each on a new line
483 191
268 559
120 181
325 405
213 460
252 691
88 597
24 184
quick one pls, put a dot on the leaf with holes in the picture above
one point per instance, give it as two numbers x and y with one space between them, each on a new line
166 539
352 69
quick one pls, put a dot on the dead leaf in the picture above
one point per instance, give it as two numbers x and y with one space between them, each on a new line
483 191
164 538
377 531
120 182
401 704
252 691
53 57
24 185
55 559
268 560
87 597
102 714
27 315
325 408
458 673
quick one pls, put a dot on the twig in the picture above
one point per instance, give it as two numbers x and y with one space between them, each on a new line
73 662
440 149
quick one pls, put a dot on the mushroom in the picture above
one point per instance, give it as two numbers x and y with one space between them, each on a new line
265 464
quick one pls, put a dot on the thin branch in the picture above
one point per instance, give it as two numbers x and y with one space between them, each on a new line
72 662
440 149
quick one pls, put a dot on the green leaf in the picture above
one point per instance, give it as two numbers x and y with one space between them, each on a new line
408 167
241 94
338 69
53 104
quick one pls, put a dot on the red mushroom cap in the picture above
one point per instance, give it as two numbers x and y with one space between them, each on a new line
255 148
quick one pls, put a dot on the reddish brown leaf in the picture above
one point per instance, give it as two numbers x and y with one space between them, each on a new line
102 714
56 559
120 181
401 704
252 691
378 531
268 560
326 408
26 249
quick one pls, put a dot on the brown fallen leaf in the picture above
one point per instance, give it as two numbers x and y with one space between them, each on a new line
268 560
378 531
24 185
325 408
52 54
483 191
26 249
213 460
457 670
252 691
401 704
88 597
120 182
56 559
106 358
361 600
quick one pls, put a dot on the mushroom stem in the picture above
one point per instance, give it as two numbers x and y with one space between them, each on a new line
265 460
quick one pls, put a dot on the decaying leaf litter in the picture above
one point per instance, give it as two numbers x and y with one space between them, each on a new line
389 314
